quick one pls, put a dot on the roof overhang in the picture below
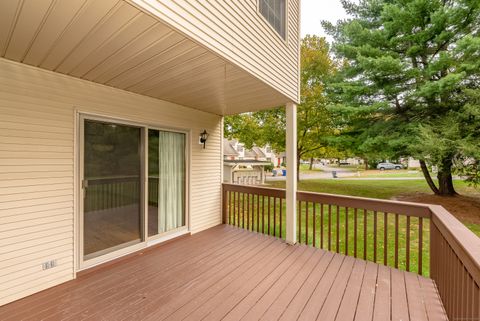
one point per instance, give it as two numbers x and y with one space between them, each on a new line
116 44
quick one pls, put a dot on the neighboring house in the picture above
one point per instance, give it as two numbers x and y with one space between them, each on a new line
102 103
243 166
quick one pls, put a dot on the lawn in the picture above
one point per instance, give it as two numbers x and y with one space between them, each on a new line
335 219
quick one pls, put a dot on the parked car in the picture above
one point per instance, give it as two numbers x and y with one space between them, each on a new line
384 166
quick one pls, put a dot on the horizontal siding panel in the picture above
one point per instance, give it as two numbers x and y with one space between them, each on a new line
36 215
9 276
47 187
18 133
30 247
32 182
35 141
38 257
35 202
35 222
34 232
36 208
37 167
30 148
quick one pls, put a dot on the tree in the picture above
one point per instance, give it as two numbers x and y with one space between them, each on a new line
313 121
409 68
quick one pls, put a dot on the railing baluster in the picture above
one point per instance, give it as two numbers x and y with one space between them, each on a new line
355 234
248 211
243 210
306 223
299 221
329 227
338 230
234 211
258 213
385 238
268 211
407 245
281 218
314 224
375 236
396 241
321 226
346 230
263 214
274 216
420 244
364 234
252 226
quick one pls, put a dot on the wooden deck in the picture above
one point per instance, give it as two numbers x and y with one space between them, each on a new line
231 274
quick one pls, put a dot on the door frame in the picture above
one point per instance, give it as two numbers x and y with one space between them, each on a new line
145 241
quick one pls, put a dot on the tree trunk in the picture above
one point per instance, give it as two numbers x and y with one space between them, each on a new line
298 169
428 178
366 163
311 163
445 179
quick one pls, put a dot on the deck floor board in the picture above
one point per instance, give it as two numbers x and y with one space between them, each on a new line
226 273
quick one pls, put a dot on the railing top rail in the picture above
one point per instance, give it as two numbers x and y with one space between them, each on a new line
371 204
464 242
266 191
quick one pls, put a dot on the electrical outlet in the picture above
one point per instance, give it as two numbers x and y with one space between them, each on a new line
49 264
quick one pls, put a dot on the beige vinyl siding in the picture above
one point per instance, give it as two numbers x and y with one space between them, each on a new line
236 31
37 150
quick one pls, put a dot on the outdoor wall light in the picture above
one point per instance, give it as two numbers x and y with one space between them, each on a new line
203 137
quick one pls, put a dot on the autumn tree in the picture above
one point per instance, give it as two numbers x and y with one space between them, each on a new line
313 121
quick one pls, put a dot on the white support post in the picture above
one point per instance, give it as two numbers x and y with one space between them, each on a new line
291 186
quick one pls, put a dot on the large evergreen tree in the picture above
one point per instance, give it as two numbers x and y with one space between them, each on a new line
411 68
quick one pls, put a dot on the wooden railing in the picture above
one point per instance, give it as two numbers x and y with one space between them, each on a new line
455 265
108 193
422 238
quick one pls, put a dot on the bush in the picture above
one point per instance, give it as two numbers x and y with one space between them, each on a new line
268 168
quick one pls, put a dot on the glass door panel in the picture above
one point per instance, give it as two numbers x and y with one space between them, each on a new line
112 211
166 181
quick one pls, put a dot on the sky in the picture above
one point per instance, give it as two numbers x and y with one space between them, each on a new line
314 11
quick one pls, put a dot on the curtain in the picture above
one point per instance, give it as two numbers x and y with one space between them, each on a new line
171 191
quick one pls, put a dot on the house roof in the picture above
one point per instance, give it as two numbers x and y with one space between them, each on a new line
259 151
228 149
250 153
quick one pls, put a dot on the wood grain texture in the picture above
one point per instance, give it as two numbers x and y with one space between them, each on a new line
233 274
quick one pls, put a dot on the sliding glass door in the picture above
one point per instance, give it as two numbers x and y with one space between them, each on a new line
121 211
112 210
166 181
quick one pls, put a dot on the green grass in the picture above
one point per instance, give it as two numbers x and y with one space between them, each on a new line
305 168
383 189
334 217
258 218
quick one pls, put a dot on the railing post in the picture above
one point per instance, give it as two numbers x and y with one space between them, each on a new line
224 205
291 185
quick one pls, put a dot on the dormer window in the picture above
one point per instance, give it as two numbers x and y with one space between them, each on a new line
275 13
